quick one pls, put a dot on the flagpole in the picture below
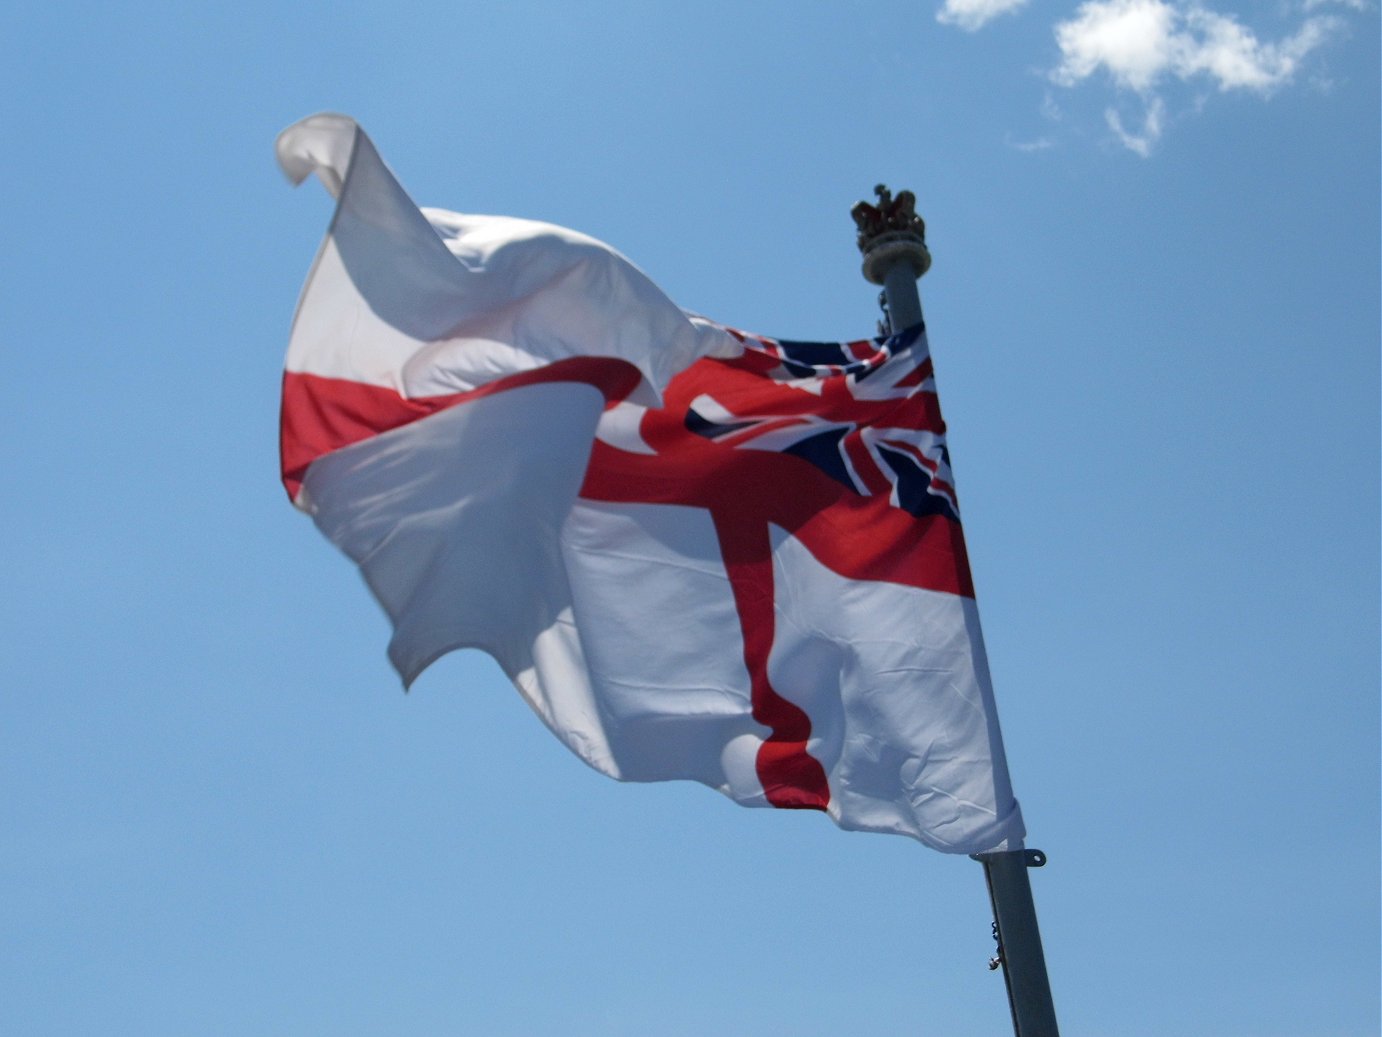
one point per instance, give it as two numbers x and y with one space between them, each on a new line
892 239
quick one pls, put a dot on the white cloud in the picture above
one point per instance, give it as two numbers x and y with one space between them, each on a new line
1131 38
975 14
1141 42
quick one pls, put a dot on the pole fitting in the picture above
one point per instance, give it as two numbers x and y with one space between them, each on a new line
1031 858
891 232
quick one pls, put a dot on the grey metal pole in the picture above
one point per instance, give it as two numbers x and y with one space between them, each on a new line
1019 940
893 240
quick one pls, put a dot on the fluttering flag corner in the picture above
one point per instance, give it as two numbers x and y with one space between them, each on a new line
698 553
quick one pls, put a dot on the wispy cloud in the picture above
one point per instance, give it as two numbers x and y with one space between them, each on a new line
1039 144
971 15
1140 141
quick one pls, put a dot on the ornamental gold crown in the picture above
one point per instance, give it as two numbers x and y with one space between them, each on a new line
888 216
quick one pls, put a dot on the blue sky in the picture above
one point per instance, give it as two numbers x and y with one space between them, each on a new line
1154 312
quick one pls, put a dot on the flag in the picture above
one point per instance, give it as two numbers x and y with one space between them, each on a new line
698 553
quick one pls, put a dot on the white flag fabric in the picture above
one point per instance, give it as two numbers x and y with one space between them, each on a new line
697 553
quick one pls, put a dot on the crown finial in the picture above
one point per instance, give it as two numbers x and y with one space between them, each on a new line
891 231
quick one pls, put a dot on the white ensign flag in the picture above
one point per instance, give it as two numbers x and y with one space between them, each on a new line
698 553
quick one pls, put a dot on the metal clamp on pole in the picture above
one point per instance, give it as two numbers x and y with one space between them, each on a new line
892 238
